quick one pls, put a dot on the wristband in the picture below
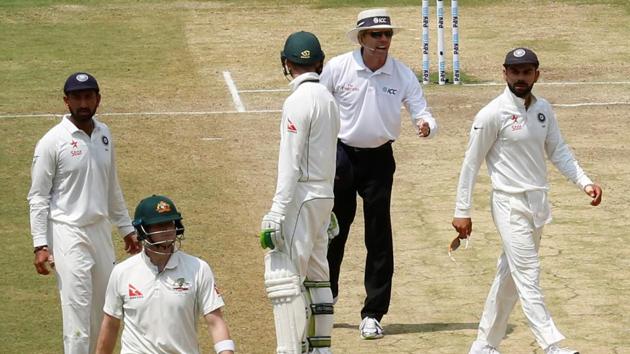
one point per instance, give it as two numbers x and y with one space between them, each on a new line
226 344
39 248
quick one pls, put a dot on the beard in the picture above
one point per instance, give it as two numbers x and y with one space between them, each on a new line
83 114
521 92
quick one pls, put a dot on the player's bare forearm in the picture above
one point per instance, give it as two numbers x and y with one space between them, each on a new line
108 336
217 328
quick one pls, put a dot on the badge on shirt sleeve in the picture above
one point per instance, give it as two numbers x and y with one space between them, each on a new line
105 140
291 128
541 117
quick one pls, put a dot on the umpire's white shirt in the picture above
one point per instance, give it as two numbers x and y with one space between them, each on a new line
513 141
370 102
74 180
161 310
308 139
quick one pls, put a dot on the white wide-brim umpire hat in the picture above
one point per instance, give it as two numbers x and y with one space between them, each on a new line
371 19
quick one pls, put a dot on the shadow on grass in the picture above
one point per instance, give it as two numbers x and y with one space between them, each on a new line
402 328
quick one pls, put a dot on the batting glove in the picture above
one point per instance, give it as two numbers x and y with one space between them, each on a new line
333 227
271 230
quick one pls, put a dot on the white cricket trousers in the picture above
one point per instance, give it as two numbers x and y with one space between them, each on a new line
519 219
84 259
306 237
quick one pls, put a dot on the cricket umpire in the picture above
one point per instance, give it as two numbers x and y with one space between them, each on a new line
74 199
513 133
370 87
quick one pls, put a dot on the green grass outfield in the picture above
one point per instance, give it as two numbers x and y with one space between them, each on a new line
140 51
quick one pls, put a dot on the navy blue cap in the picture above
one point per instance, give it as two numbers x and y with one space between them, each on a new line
80 81
520 56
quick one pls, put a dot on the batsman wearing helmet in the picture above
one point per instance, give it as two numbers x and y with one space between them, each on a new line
296 228
161 292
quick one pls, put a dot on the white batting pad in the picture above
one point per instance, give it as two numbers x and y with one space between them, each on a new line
289 310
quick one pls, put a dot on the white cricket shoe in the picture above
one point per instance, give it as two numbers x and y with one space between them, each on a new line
479 347
554 349
370 328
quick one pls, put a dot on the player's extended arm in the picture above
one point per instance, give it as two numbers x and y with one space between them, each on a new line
108 336
218 330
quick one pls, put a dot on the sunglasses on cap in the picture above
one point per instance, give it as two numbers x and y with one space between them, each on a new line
378 34
455 245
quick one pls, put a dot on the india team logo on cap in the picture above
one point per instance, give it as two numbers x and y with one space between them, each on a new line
82 78
162 207
519 52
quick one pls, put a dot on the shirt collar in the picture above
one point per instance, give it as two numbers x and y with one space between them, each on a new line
387 68
172 263
71 128
310 76
518 102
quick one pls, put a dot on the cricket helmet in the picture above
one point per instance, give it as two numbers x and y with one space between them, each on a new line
302 48
156 209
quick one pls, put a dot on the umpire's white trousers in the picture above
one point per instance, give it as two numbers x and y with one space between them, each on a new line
84 258
519 218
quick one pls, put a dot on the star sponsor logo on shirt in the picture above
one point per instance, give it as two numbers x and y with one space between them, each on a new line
181 285
515 123
75 148
291 128
134 293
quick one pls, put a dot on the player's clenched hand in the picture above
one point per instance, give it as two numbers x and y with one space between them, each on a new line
43 259
271 230
595 192
132 246
423 128
463 226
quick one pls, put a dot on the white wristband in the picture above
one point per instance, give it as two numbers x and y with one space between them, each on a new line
224 345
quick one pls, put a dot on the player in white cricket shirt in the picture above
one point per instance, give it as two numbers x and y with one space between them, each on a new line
513 133
370 87
73 198
160 293
296 227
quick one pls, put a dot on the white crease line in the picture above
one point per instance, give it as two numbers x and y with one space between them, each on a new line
238 104
264 90
559 83
198 113
590 104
